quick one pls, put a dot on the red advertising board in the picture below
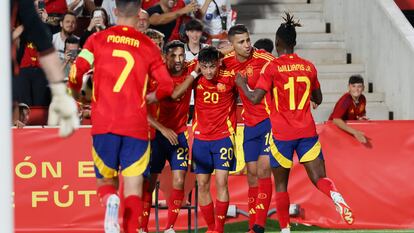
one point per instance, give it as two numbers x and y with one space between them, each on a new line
55 187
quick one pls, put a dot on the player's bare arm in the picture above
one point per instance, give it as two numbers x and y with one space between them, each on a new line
255 96
316 98
168 133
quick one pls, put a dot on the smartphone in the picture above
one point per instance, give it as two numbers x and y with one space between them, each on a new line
97 14
73 53
41 5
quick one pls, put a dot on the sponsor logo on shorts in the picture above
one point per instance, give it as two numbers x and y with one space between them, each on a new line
221 217
184 164
226 164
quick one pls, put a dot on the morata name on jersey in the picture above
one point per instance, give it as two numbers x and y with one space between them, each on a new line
293 67
123 40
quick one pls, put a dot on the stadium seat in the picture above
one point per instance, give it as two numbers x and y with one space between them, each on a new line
165 186
38 115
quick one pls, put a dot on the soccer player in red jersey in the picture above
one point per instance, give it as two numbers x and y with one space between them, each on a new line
257 128
122 59
295 87
351 106
172 114
213 128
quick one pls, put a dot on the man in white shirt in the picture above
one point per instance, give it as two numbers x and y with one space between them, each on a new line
109 6
213 12
193 33
68 26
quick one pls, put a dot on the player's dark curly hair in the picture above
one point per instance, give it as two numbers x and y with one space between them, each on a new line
287 32
208 54
173 44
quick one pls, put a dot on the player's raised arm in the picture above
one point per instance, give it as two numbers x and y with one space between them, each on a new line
255 96
180 90
160 73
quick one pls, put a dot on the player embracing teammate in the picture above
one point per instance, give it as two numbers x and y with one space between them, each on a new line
294 86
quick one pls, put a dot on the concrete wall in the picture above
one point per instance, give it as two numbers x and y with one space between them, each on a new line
379 36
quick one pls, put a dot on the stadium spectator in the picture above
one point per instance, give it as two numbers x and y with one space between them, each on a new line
216 16
166 19
119 140
71 51
99 21
21 114
68 26
143 21
351 106
55 9
156 37
293 126
193 34
265 44
62 109
109 6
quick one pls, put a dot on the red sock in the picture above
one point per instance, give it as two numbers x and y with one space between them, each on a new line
174 206
326 185
147 204
252 195
132 213
264 197
282 207
105 191
208 213
221 213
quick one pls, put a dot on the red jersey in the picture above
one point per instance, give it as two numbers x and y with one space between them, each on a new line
252 114
215 107
174 113
153 109
347 109
56 6
30 56
291 81
122 58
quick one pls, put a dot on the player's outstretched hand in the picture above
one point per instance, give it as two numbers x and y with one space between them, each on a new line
63 110
241 80
170 135
360 136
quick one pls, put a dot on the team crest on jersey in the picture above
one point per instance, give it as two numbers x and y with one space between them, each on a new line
221 87
249 71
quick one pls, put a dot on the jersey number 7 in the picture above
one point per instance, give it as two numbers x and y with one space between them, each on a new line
130 62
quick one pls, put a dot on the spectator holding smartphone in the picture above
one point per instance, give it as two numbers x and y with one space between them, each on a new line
71 52
216 16
99 22
68 26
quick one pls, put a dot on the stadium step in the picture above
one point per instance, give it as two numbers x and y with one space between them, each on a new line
340 68
323 55
301 37
268 13
271 25
240 2
272 7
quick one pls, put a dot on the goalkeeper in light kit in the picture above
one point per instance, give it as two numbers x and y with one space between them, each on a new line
122 59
